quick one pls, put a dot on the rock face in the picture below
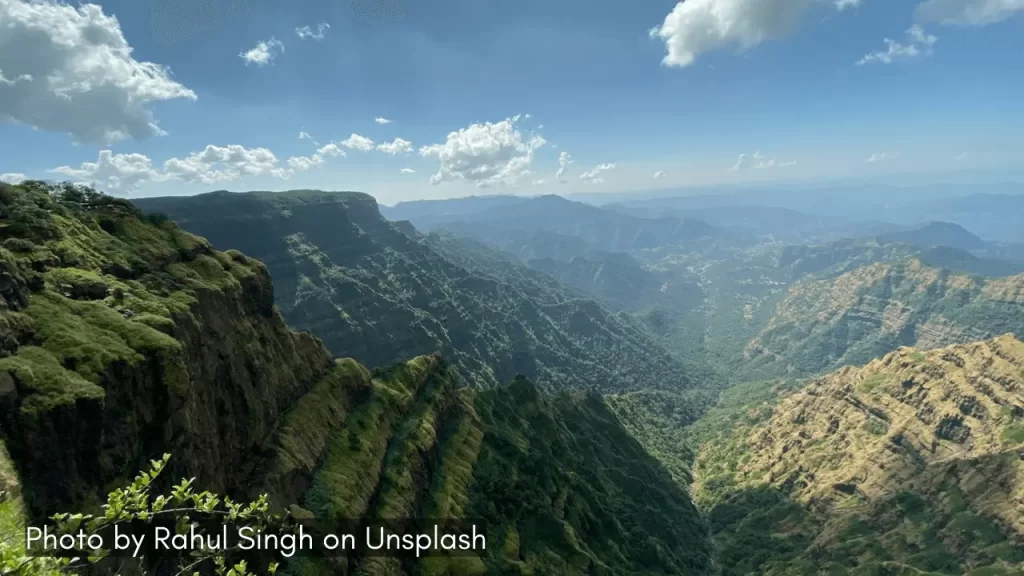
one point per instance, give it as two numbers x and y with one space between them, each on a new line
864 314
374 293
914 458
126 337
134 340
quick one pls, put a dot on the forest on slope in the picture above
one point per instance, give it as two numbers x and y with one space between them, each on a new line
126 337
377 292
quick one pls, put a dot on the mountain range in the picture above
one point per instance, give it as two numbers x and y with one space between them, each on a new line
373 292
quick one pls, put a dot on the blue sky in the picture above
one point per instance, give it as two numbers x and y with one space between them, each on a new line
752 90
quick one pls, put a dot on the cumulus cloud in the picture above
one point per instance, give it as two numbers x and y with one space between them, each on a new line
564 161
12 177
968 12
757 161
918 43
303 163
485 154
357 142
263 53
696 27
67 68
307 33
213 164
594 176
224 163
395 147
658 175
114 171
381 120
877 157
407 171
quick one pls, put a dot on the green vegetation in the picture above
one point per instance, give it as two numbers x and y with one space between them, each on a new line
786 492
127 337
377 293
870 311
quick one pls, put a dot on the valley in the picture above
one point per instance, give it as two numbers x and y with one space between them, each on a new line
607 392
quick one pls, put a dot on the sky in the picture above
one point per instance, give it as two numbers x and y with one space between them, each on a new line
412 100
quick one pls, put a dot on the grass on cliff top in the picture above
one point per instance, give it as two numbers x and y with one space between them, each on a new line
103 284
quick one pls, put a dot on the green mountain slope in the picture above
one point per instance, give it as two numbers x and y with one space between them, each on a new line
913 464
126 337
373 293
821 325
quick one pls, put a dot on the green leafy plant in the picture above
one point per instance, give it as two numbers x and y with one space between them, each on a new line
183 505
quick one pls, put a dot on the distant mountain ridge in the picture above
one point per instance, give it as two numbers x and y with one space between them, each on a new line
374 293
937 234
601 229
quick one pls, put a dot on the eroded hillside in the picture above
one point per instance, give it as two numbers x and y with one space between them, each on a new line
870 311
912 462
374 293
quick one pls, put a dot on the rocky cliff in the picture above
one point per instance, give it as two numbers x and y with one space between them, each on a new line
124 339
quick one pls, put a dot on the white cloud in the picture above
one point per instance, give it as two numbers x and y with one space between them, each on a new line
918 43
961 157
757 161
658 174
303 135
564 161
877 157
398 146
303 163
594 176
844 4
381 120
538 182
12 177
485 154
223 163
696 27
67 68
264 52
306 33
111 171
407 171
968 12
357 142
